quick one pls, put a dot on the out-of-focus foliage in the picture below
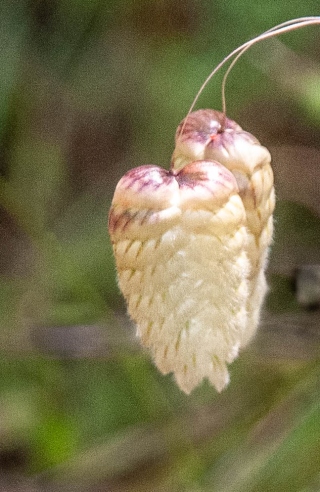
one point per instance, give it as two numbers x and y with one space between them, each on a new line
89 89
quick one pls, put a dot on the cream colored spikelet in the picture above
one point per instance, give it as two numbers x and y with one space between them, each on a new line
180 242
208 134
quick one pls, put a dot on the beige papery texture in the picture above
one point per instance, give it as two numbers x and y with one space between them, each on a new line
208 134
190 246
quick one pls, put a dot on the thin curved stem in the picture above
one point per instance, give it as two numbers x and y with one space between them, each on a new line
282 28
293 22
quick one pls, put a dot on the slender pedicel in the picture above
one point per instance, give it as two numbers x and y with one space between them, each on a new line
282 28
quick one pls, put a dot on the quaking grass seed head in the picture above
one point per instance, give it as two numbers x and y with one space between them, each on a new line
179 242
191 243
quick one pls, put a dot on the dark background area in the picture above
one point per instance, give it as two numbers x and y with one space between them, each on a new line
88 90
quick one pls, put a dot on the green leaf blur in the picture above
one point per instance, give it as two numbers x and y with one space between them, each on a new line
88 90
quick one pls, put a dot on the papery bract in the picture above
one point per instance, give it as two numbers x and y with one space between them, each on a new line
209 134
179 240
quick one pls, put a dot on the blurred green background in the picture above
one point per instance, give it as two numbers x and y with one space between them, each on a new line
88 90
